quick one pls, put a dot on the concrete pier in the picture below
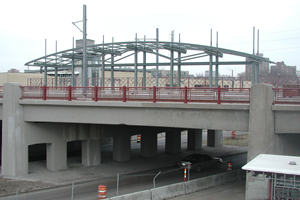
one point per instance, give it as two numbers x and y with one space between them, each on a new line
121 147
214 138
57 155
194 139
173 141
149 144
15 150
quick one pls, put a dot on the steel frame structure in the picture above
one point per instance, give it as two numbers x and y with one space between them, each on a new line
110 55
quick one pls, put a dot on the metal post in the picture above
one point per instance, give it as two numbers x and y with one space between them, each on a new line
144 64
135 63
210 62
253 40
258 42
45 67
172 61
72 194
155 178
112 81
103 66
157 51
73 70
217 65
179 67
253 73
56 64
172 69
257 72
84 60
118 179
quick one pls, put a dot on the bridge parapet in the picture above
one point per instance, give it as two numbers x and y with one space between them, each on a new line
151 94
156 94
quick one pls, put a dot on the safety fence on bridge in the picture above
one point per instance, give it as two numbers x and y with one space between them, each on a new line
154 94
151 94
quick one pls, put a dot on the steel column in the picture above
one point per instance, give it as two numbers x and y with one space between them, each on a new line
179 67
157 52
179 70
210 63
257 73
103 71
45 67
84 60
172 69
103 65
73 70
112 78
253 74
171 76
135 63
217 65
144 65
55 77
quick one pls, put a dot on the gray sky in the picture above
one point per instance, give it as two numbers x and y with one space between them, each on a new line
25 24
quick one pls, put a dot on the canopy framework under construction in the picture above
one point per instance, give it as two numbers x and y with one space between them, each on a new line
107 56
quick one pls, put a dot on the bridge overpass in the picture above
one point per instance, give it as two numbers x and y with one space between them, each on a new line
57 116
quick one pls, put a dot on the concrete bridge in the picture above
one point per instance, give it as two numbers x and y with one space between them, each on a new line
33 116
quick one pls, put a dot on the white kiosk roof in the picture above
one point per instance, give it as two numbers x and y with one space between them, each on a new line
274 164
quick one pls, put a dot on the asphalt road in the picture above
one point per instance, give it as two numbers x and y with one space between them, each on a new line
128 183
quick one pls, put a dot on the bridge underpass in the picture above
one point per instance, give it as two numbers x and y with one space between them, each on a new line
58 122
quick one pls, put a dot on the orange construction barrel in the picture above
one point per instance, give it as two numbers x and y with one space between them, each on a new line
101 192
229 166
138 140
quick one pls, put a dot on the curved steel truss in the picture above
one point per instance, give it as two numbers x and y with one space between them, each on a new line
107 56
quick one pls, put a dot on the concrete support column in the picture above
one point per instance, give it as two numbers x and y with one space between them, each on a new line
262 138
91 152
149 144
173 141
121 147
57 155
261 122
194 139
214 138
14 145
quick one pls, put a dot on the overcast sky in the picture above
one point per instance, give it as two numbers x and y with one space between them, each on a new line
25 24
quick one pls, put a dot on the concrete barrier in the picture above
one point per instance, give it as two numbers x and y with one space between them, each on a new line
177 189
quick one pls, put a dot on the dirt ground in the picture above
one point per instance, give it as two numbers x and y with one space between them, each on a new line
13 187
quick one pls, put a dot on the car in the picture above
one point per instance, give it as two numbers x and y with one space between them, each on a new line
200 161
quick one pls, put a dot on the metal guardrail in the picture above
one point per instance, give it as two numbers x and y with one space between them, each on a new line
151 94
286 95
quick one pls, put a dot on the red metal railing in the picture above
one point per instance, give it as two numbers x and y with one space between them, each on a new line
286 95
153 94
